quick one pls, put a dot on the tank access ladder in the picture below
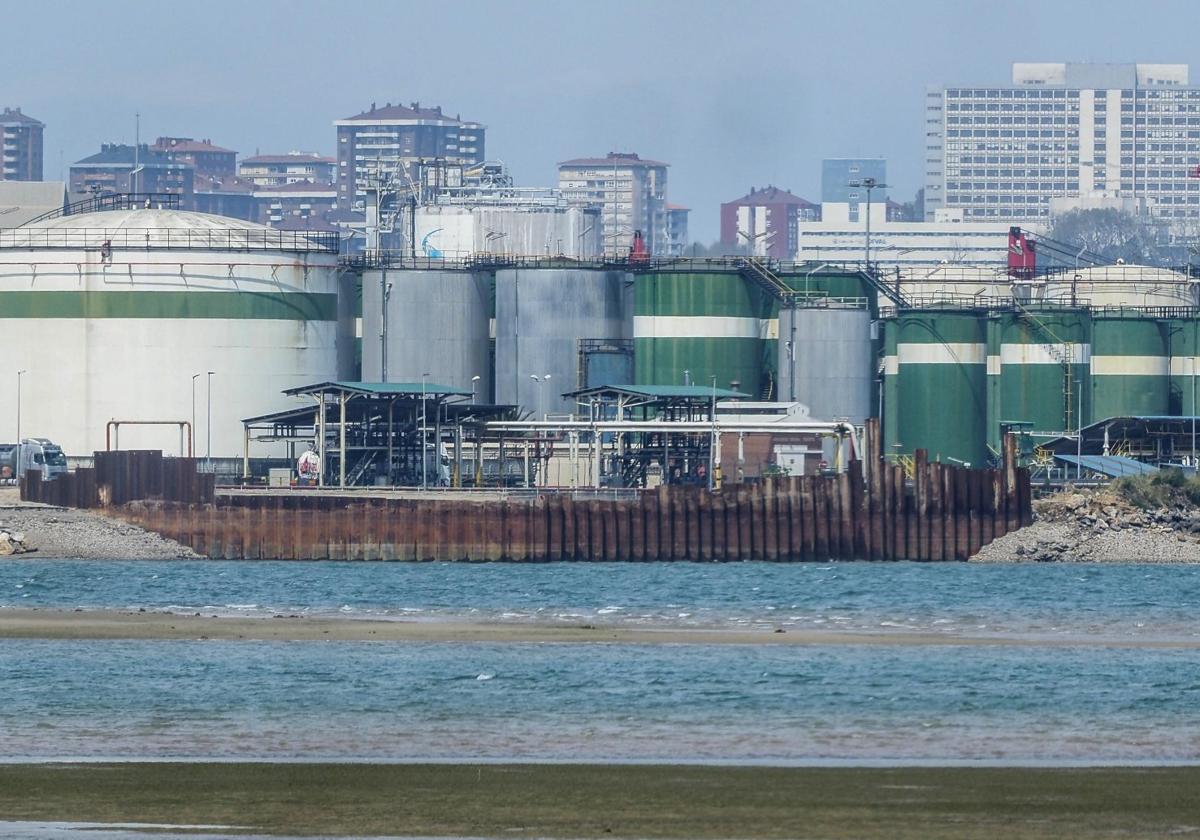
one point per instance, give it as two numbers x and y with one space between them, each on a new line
1062 352
759 273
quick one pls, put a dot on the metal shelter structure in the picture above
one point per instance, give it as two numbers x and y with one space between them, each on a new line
1160 439
389 433
670 402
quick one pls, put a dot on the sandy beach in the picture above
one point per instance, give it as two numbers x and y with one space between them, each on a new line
23 623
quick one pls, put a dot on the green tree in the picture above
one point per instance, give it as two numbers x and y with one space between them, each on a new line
1111 234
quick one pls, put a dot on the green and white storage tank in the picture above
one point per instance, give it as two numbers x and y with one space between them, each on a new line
123 314
1130 364
1038 364
707 323
937 361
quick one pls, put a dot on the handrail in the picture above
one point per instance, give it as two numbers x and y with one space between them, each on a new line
123 238
110 201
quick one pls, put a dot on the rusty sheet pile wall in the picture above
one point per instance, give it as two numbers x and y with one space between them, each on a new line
121 477
944 513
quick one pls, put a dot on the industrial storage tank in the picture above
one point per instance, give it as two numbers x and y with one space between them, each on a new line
1038 364
1185 365
1122 286
519 228
544 318
964 285
437 323
700 324
132 314
938 401
826 359
1130 365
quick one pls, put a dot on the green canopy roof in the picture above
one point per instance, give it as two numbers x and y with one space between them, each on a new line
399 389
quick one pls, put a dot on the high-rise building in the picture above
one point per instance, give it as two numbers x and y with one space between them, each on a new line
630 192
394 140
763 222
677 230
844 193
21 143
205 158
120 168
1063 136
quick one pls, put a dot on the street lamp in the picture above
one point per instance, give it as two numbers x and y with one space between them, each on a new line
208 423
715 441
424 432
868 184
195 376
1195 466
752 238
20 373
474 380
1078 428
539 380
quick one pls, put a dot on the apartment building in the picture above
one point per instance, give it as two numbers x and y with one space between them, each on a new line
394 140
290 168
629 191
21 144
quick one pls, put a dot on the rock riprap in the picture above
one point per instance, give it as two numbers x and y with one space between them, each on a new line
13 542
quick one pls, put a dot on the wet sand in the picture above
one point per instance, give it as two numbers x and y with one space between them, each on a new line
577 801
124 624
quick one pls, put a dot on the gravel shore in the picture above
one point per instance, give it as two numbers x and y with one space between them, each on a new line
1099 526
81 534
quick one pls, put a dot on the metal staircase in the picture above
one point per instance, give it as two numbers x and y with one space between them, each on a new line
759 273
875 280
360 469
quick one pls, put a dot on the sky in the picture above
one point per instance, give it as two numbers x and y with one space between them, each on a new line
732 95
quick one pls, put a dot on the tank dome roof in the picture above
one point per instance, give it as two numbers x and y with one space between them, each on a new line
146 219
162 229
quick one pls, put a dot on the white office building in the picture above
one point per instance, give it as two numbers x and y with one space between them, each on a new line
947 240
1064 136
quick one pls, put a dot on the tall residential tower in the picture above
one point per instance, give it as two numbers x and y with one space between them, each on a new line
21 141
631 193
393 139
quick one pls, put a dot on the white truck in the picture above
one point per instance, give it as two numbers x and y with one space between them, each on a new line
38 454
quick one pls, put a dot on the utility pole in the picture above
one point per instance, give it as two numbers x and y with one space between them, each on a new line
195 376
424 476
208 423
137 142
868 184
20 373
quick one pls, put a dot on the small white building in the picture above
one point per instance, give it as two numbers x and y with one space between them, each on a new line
948 240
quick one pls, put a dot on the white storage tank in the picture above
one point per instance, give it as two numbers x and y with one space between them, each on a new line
131 315
1122 286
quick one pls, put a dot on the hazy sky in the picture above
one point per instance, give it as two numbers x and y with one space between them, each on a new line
732 95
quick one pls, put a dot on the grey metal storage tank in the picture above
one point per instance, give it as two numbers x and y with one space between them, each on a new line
826 361
542 316
437 323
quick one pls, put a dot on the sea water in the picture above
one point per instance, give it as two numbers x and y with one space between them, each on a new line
1081 664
